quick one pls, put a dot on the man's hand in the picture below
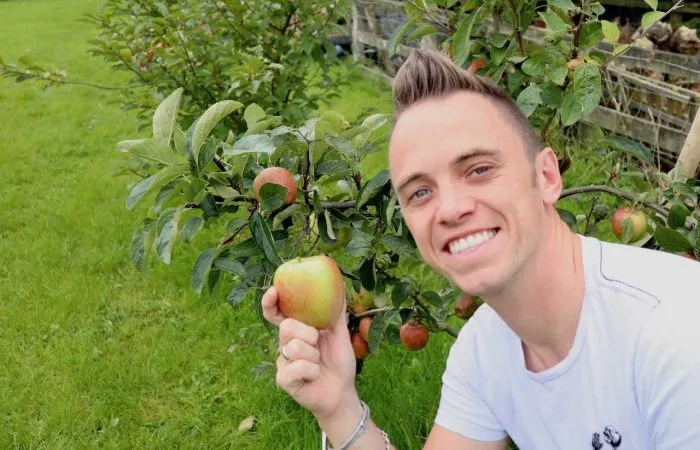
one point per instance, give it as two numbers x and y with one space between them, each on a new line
320 371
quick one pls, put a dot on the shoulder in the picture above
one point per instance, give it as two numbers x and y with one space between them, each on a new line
653 275
481 341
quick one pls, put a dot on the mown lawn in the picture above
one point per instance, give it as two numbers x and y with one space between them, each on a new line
92 353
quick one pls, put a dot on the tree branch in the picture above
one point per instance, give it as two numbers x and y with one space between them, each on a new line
678 5
611 190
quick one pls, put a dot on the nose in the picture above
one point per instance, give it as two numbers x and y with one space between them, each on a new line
454 205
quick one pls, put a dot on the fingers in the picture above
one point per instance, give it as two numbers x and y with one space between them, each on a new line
270 309
297 349
291 376
293 329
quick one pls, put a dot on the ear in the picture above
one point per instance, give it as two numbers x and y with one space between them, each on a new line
548 176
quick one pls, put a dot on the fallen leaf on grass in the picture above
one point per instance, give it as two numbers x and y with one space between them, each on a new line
246 424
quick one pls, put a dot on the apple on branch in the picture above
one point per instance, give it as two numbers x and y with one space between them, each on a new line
414 335
279 176
637 221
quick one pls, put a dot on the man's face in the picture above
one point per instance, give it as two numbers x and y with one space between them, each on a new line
467 190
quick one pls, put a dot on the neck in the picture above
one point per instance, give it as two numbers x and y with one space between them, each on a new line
542 304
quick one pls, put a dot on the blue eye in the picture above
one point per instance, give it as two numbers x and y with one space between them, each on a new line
481 170
416 194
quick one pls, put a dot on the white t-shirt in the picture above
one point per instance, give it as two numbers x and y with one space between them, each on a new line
630 382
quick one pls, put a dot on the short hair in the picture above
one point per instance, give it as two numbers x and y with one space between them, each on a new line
430 73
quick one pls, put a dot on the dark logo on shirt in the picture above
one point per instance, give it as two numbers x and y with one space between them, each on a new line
610 436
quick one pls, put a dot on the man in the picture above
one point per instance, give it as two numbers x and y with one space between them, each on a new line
581 344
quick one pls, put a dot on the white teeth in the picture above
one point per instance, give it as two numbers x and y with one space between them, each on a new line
468 243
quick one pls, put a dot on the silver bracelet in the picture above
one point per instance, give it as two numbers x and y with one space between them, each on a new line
361 427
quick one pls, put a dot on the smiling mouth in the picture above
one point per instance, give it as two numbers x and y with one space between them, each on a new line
470 242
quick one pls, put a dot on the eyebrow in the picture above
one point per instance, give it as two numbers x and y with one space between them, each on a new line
472 153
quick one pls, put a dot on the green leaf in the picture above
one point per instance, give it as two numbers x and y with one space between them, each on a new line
263 238
628 146
399 245
529 99
201 128
201 269
371 188
360 244
237 294
571 108
596 9
332 167
533 67
432 297
551 95
272 196
400 293
569 218
206 154
288 212
588 87
230 265
423 30
165 115
340 143
191 228
252 114
671 240
558 75
368 274
461 40
677 215
564 5
150 148
208 206
610 31
376 331
653 3
591 34
166 232
138 247
554 22
650 19
254 143
398 36
155 181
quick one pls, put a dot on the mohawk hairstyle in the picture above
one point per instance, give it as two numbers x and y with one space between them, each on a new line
432 74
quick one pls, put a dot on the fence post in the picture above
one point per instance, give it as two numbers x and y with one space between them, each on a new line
358 54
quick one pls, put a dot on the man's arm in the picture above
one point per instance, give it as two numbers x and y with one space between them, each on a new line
443 439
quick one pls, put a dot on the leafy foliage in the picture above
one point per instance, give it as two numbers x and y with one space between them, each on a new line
189 193
198 177
275 54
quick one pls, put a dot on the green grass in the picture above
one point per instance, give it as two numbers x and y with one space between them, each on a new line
92 353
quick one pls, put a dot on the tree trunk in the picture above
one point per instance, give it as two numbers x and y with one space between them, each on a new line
689 159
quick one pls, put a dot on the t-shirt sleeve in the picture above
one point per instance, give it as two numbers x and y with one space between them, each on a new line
667 373
462 408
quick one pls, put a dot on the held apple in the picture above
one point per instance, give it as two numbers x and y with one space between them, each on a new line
359 346
363 328
414 335
638 220
311 290
465 306
279 176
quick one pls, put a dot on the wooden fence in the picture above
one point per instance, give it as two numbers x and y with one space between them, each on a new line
648 95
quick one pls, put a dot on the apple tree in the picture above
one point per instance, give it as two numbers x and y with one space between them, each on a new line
271 190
